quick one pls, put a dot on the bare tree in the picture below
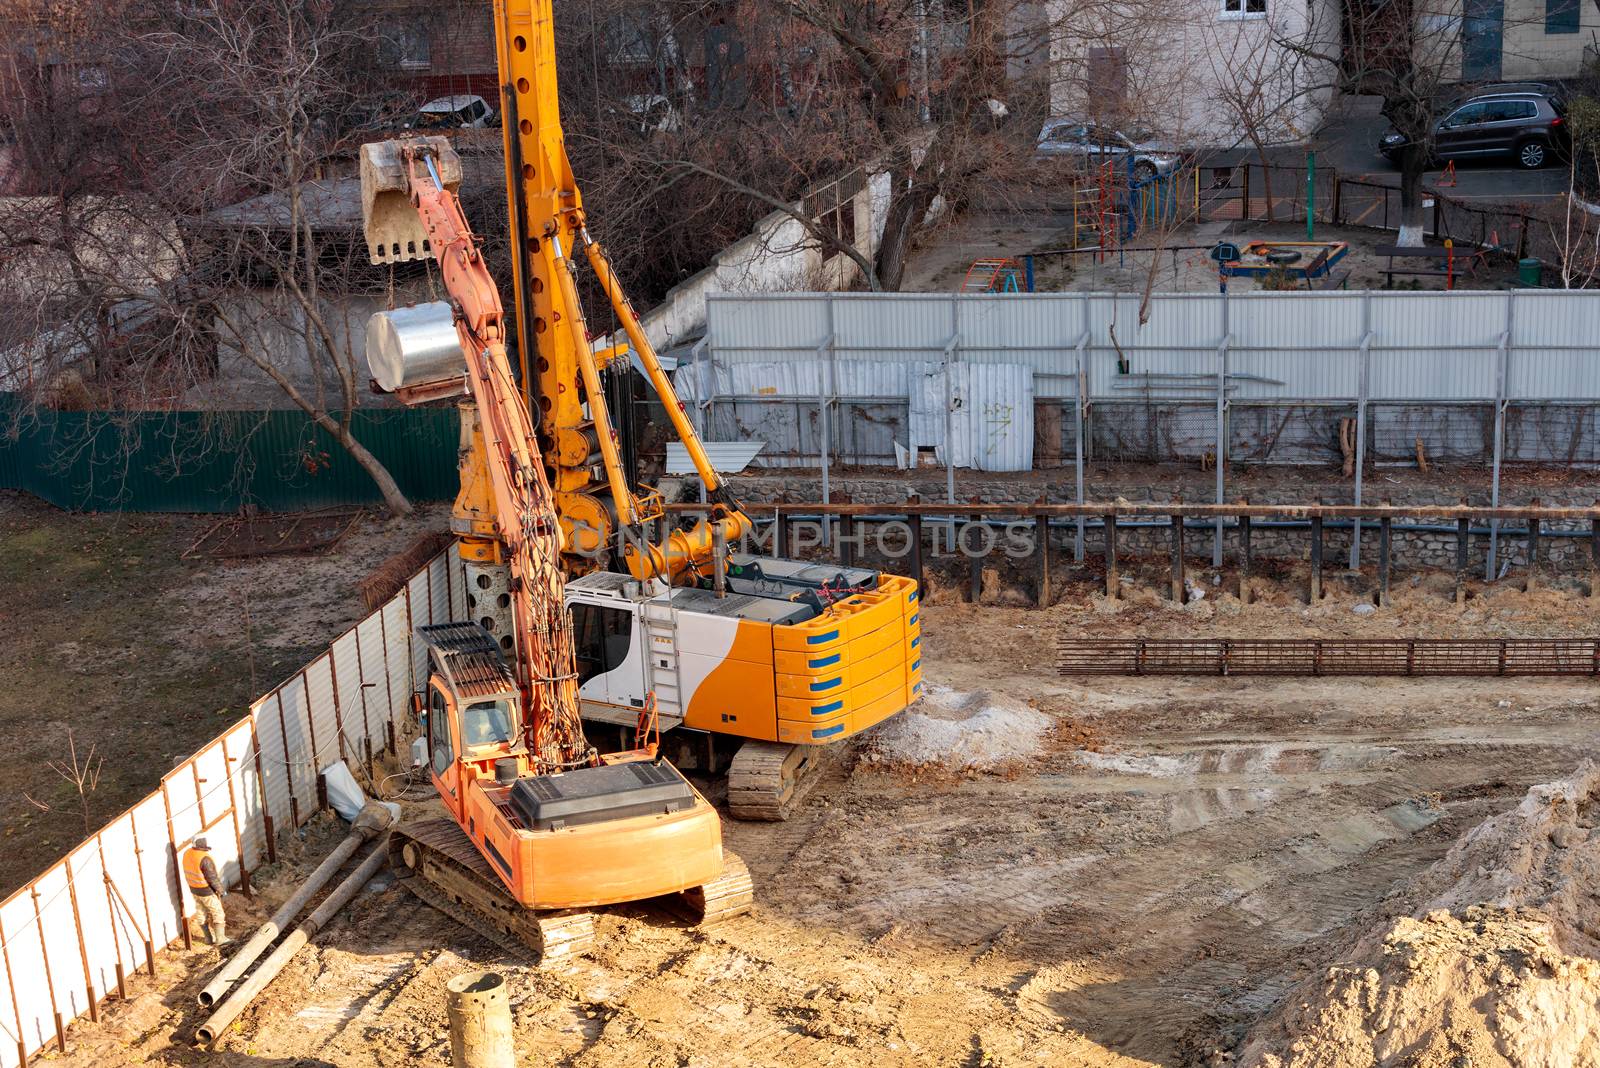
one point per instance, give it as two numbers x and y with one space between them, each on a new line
255 98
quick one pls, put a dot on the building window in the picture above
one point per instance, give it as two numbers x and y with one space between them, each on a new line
406 46
1561 16
1248 9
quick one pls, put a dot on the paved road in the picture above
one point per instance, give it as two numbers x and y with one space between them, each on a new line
1348 141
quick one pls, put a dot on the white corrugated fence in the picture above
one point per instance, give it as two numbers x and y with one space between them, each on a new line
71 937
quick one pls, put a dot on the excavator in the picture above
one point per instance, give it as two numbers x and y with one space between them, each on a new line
541 828
775 660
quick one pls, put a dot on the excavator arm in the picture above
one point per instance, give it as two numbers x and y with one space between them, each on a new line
524 515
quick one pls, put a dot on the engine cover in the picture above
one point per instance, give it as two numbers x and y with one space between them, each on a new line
597 795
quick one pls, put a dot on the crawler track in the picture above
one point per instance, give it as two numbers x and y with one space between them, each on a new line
767 779
448 873
440 865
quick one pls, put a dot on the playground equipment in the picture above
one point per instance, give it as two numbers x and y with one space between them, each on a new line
1301 260
993 276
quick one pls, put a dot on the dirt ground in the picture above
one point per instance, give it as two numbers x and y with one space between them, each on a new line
1143 887
110 634
941 263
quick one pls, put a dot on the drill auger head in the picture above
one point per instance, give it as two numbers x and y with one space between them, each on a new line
388 219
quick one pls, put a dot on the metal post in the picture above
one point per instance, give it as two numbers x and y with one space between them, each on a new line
719 560
1501 373
1532 582
1363 390
1041 528
1311 196
951 353
1081 407
1244 556
915 523
824 373
478 1005
1222 431
707 390
1177 559
1594 555
1385 556
1316 559
1111 557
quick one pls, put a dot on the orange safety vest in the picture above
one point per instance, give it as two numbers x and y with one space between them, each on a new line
192 872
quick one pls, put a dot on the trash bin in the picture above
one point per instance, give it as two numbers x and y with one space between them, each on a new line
1530 272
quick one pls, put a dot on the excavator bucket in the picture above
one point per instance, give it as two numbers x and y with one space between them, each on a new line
393 232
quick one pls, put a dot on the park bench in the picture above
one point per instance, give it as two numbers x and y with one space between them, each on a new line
1333 280
1451 263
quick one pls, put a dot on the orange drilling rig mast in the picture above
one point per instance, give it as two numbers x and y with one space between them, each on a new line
542 827
798 656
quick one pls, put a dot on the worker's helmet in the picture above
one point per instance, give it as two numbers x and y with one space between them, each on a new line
200 842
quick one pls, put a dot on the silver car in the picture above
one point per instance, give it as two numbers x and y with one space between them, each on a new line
1088 144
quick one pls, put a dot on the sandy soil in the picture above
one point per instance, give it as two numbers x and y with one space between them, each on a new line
1169 861
108 633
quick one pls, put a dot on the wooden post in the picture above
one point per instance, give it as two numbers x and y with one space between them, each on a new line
847 540
1041 527
1463 543
1177 559
1111 557
780 527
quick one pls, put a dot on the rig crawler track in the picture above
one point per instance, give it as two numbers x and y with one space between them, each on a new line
441 866
1329 656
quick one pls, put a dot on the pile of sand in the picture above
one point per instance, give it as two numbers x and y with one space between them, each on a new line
1499 965
960 730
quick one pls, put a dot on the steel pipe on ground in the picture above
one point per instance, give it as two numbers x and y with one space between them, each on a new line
373 819
229 1010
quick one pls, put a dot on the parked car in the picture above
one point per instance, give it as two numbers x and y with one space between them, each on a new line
1528 125
460 112
1087 144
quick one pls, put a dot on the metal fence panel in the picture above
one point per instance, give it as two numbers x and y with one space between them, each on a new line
351 692
24 956
303 761
59 941
219 461
162 899
323 713
239 743
397 658
417 602
99 947
121 886
277 775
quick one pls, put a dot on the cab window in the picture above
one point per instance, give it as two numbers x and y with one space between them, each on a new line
487 723
601 638
439 732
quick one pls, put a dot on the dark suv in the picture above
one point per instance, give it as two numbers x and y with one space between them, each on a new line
1527 124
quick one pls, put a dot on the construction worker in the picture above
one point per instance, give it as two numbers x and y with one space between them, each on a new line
200 872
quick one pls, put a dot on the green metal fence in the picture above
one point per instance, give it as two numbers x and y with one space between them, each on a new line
219 461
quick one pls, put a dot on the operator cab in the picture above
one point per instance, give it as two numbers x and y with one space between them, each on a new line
631 637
